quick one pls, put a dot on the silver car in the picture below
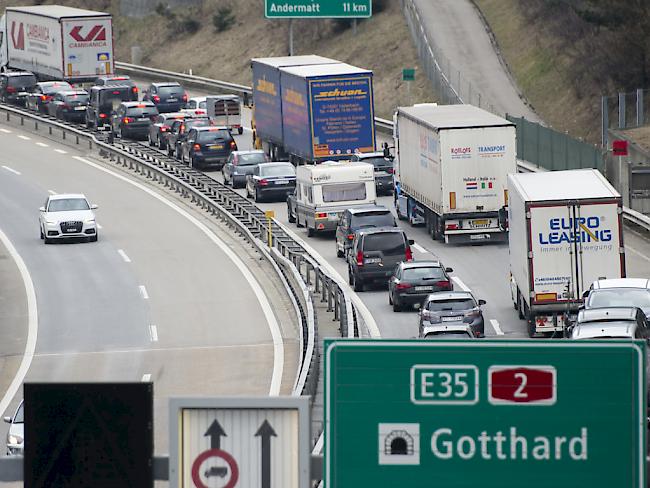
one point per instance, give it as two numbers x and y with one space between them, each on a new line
16 433
447 331
620 292
611 323
67 215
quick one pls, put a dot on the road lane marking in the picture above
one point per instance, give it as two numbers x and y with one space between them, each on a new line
153 333
61 151
146 378
42 144
143 292
124 256
496 326
460 283
638 253
51 192
24 138
32 324
11 170
419 248
6 131
271 320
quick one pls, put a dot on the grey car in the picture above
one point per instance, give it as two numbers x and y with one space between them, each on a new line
16 432
611 323
413 282
356 218
239 165
452 308
447 331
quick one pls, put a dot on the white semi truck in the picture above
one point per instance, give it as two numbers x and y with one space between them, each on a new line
566 231
451 169
56 42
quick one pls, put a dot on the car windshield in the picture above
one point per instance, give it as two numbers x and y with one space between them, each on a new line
344 192
377 162
251 159
451 304
171 90
141 111
431 273
22 80
213 136
77 97
372 219
68 204
390 243
108 97
196 123
619 297
203 104
277 170
117 82
20 415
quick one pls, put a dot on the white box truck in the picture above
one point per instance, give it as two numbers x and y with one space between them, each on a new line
566 231
56 42
452 162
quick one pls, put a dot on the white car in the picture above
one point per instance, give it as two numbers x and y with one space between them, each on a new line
15 434
196 106
67 215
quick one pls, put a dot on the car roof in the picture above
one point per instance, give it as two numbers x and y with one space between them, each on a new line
614 329
448 295
421 264
139 104
254 151
380 230
374 154
368 208
166 83
114 77
65 196
74 92
110 87
18 73
621 283
174 115
446 328
213 128
52 83
199 99
608 313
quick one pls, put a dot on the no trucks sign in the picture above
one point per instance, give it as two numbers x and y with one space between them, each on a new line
317 8
494 414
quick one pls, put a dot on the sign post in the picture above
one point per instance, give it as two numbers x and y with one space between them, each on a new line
270 215
485 413
408 75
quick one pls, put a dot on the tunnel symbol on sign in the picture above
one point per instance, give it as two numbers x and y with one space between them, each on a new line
399 443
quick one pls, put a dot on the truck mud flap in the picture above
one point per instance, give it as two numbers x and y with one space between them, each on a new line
477 238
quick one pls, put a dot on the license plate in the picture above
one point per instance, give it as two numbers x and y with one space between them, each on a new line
71 230
372 260
424 288
215 146
451 319
142 119
481 222
172 99
479 237
281 182
80 108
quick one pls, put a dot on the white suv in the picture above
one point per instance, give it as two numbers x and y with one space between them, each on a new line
67 215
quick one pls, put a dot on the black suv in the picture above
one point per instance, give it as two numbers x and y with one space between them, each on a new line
374 254
167 96
353 219
119 80
207 147
15 86
413 282
178 132
103 101
133 119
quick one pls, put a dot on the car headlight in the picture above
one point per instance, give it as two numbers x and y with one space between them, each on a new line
50 222
90 221
15 439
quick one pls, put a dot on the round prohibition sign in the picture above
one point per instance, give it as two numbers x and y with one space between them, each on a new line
196 465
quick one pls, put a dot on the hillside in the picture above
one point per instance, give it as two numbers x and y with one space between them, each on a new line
168 41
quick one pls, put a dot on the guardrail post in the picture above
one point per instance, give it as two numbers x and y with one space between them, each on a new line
336 304
329 295
36 125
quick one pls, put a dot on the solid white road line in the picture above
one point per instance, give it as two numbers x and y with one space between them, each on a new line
32 324
274 327
124 256
42 144
11 170
61 151
24 138
419 248
143 292
153 333
460 283
638 253
496 327
51 192
146 378
6 131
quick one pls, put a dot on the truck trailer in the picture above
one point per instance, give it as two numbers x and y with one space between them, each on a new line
313 112
57 43
566 231
451 169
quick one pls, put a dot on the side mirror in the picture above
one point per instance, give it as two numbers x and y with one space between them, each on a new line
449 270
482 302
41 209
7 419
411 242
94 206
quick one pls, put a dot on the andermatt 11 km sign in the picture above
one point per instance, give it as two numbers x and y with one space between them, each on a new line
317 8
494 414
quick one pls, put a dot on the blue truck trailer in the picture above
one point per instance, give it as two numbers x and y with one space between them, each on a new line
315 112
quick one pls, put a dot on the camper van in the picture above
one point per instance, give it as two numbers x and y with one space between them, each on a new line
325 190
225 110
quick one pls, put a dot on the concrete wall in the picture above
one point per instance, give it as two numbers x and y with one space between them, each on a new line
142 8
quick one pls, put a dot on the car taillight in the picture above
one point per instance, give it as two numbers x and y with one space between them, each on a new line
451 227
233 145
390 171
197 147
156 99
163 129
102 116
403 286
11 89
350 237
264 182
359 258
184 97
134 89
321 215
408 254
127 120
44 98
473 313
442 284
430 317
65 105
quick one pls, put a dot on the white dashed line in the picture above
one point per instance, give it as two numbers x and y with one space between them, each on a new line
153 333
61 151
5 131
11 170
51 192
460 283
638 253
24 138
146 378
143 292
496 326
124 256
42 144
419 248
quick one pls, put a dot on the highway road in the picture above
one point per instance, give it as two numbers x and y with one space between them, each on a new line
165 296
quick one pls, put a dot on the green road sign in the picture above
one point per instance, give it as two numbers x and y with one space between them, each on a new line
408 74
489 413
317 8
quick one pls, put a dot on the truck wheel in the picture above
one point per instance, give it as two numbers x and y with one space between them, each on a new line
291 217
240 130
531 327
521 306
339 253
310 232
358 283
298 223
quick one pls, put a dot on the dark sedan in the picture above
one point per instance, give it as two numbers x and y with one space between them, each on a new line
271 180
69 105
132 119
412 282
167 96
207 147
44 92
452 307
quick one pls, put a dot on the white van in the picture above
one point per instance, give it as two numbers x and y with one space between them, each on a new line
325 190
